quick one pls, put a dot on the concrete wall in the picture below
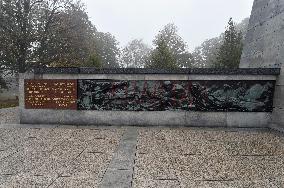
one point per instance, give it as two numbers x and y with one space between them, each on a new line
264 47
278 112
264 44
166 118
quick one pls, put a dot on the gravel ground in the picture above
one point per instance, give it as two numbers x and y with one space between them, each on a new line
209 158
9 116
56 157
71 156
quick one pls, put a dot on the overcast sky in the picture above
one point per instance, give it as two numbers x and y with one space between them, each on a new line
197 20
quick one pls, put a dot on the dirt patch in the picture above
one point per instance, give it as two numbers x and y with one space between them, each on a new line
8 103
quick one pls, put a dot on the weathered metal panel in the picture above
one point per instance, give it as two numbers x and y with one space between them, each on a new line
51 94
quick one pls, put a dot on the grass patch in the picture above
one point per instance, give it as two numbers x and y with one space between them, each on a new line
8 103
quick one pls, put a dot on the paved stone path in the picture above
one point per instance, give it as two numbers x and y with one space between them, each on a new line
120 171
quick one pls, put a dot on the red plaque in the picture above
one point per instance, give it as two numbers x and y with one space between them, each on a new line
51 94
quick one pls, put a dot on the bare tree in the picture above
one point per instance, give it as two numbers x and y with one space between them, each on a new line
135 54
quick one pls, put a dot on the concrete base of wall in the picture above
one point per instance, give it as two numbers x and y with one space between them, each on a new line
167 118
277 128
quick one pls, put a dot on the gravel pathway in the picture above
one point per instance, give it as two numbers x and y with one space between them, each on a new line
90 156
9 116
56 157
188 157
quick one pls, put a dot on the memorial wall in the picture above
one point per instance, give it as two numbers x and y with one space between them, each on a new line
148 97
151 95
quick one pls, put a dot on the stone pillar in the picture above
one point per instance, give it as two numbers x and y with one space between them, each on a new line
264 48
278 112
